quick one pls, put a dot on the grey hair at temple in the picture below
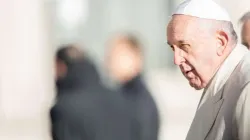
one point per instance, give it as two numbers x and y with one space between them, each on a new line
245 17
229 28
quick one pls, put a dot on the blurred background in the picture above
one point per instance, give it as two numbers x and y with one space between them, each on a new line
32 30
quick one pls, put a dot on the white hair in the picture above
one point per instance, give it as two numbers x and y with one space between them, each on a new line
245 17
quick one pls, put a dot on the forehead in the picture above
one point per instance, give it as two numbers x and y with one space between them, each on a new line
119 46
180 28
185 28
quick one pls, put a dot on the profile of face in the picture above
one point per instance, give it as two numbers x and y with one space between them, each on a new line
123 62
196 48
245 34
61 69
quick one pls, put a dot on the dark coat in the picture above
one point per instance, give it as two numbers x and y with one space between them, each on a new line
143 107
85 110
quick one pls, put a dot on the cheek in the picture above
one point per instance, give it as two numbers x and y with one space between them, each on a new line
126 63
61 70
114 65
198 63
204 57
200 67
204 67
118 64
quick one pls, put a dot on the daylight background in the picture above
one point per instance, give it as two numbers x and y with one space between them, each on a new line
32 30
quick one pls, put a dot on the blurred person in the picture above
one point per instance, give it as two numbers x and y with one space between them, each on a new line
84 109
125 63
245 30
205 48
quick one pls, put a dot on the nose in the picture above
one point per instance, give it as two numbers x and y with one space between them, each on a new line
178 58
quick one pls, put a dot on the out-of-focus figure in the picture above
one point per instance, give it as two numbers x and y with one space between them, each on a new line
245 29
206 49
84 109
125 64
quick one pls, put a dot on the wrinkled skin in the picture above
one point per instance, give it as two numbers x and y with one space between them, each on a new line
198 48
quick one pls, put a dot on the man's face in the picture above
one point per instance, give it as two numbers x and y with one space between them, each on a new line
122 61
245 34
194 49
61 69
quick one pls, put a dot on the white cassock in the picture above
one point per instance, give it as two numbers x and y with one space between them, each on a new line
224 109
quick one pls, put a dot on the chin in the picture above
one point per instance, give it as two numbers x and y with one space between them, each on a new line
196 86
197 83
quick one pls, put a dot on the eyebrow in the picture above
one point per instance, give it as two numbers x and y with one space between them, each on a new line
168 43
171 46
179 42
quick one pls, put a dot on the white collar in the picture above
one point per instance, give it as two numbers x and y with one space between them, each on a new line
227 68
224 72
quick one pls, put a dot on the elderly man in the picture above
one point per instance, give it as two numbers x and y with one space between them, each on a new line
245 30
205 48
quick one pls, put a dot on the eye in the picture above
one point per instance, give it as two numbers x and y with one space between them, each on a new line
172 48
185 47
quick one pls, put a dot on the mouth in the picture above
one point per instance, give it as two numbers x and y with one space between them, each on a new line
189 74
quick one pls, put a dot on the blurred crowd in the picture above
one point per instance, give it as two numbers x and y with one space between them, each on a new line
86 109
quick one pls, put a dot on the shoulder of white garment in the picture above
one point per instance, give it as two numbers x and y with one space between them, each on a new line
242 114
206 9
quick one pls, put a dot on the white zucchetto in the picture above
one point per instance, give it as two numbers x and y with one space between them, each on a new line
206 9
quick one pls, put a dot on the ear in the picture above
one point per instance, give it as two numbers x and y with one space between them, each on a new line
222 42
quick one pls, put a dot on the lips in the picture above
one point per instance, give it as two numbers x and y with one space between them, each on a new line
189 74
